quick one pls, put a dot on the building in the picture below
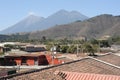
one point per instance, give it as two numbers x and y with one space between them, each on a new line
33 48
90 68
4 49
30 59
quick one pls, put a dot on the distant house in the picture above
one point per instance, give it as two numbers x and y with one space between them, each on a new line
33 48
83 38
4 49
30 59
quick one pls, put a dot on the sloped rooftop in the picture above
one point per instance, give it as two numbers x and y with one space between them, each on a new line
86 65
84 76
110 58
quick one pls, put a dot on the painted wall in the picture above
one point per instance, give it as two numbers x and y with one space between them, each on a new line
40 60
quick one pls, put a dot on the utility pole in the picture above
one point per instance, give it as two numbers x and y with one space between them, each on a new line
99 46
77 50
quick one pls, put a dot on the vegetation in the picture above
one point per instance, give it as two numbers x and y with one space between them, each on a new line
90 48
1 53
65 45
9 46
70 46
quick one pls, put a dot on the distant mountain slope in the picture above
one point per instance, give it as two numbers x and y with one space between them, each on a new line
60 17
34 23
94 27
25 25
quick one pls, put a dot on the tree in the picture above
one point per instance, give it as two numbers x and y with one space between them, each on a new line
49 46
104 43
43 38
64 49
89 48
94 41
72 49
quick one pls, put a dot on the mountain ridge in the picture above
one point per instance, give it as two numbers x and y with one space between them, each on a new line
33 23
94 27
29 20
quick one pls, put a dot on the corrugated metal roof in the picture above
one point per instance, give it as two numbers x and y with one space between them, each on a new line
85 76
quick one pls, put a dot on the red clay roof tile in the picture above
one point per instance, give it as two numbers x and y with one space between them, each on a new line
87 76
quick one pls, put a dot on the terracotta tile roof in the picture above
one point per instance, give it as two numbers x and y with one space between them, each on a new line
110 58
85 76
32 54
86 65
27 54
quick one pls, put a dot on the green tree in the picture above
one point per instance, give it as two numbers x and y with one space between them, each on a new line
72 49
90 48
64 49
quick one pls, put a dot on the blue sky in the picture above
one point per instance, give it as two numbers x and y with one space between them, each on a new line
12 11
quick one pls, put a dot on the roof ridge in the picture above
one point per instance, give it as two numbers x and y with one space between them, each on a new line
115 54
105 62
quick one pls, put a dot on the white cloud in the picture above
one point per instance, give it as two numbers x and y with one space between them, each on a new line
31 13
